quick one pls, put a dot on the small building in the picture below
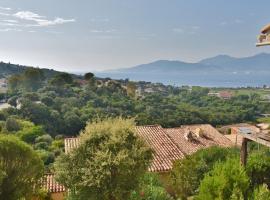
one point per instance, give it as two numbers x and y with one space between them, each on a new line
226 95
237 130
240 128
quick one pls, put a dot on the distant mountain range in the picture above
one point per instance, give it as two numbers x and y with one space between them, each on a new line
221 70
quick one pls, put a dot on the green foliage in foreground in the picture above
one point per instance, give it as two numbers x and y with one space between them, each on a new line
188 172
226 181
20 169
150 189
230 180
107 165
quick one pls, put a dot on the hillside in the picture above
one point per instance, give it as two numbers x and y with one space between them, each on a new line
222 70
7 69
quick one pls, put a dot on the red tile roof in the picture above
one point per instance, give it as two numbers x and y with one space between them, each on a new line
200 136
71 143
236 139
50 185
165 151
170 144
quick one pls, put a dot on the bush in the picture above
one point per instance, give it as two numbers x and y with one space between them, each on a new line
12 125
29 134
13 101
150 189
188 172
226 181
44 138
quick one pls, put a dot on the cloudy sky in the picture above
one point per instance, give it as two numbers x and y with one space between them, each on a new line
90 35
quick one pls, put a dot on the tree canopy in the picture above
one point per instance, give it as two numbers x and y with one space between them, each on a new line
108 162
21 169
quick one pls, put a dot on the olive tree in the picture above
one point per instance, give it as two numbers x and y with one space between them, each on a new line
108 163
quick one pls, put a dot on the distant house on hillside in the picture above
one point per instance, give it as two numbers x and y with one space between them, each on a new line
173 143
222 94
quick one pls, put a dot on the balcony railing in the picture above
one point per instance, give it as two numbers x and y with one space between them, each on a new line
263 40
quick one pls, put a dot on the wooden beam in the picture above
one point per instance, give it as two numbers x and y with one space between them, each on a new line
256 138
243 156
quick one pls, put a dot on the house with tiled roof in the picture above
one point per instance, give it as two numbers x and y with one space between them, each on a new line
173 143
165 150
55 190
192 138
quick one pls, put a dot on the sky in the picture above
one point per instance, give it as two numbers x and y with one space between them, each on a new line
95 35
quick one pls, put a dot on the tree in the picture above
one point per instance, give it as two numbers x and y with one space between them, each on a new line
88 76
14 83
29 134
226 181
32 79
131 89
20 167
12 124
187 173
61 79
108 163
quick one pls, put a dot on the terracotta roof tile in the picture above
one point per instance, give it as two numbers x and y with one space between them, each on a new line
170 144
165 151
50 185
71 143
209 137
236 139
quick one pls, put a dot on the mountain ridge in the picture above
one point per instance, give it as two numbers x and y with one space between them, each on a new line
221 70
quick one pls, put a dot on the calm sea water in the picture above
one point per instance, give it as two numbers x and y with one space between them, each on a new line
227 79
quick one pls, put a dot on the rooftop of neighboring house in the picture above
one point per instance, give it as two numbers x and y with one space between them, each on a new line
173 143
165 150
245 128
51 186
225 94
194 137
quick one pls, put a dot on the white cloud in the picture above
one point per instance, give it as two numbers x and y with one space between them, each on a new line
40 20
178 30
10 29
103 31
8 24
4 14
100 20
5 8
10 21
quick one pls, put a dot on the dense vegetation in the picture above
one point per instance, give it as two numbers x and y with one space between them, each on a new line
216 173
47 108
63 105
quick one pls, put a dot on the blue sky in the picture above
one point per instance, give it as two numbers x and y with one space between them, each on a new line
90 35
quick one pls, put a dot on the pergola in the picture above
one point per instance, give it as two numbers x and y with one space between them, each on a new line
260 138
